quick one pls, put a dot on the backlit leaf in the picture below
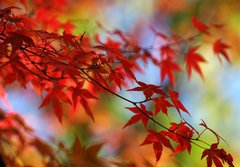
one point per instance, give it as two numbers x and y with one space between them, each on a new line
192 61
219 48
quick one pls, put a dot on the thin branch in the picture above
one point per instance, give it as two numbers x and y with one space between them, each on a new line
135 104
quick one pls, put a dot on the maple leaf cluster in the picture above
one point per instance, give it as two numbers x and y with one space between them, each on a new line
74 69
218 156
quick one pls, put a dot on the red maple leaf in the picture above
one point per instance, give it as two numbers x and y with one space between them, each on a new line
148 89
57 109
68 26
56 96
219 48
217 156
139 115
158 139
177 104
181 134
17 39
161 104
192 61
69 39
117 76
200 26
168 52
83 94
168 68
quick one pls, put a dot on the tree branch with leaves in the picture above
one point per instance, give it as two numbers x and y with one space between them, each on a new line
60 66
